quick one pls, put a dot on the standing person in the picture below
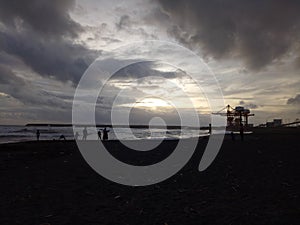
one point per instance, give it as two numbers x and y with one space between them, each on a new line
84 136
99 135
38 135
242 132
209 128
76 136
105 134
62 137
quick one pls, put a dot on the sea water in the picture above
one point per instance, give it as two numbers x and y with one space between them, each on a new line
28 133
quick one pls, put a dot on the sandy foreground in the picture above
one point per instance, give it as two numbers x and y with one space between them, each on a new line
252 182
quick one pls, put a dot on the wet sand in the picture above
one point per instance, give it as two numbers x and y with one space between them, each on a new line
251 182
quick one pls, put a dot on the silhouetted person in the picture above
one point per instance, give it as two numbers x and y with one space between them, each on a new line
232 136
76 136
62 137
84 132
209 128
105 134
99 135
242 132
38 135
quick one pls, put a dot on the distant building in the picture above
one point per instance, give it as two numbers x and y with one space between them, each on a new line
277 122
274 123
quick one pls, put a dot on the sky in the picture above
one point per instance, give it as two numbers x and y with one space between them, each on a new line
251 47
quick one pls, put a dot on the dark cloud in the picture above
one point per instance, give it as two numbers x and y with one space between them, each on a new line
260 31
18 88
144 69
133 27
24 92
251 106
124 22
157 17
248 105
40 35
49 18
7 77
9 60
60 59
294 101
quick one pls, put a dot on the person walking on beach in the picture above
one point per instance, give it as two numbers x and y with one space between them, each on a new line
105 134
84 136
99 135
209 128
242 132
38 135
76 136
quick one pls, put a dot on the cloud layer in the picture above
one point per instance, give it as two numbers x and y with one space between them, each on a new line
294 101
45 47
259 31
38 47
41 34
46 17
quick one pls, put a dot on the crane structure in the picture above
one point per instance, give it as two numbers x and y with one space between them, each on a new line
236 117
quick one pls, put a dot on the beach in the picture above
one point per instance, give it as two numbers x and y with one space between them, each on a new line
256 181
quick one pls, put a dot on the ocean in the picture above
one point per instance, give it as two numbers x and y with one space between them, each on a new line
28 133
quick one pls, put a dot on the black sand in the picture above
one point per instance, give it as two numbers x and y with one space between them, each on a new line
251 182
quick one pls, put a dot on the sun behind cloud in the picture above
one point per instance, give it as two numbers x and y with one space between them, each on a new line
153 104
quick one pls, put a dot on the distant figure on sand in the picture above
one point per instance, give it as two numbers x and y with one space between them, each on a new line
76 136
105 134
62 137
38 135
242 132
99 135
209 128
84 132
